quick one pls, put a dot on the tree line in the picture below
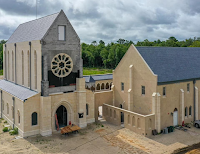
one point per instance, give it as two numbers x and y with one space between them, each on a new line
101 55
108 56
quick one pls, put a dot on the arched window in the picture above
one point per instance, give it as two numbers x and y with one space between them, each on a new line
138 123
102 86
133 121
190 110
107 85
7 108
110 85
128 119
18 113
98 87
87 109
34 118
28 63
8 66
13 66
22 68
110 113
186 111
35 66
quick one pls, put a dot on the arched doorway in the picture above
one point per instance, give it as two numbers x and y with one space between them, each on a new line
62 116
175 117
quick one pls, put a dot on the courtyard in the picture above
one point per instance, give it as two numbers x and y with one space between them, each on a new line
99 138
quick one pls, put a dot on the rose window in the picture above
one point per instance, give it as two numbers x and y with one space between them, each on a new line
61 65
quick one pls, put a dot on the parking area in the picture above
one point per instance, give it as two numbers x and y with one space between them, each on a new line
100 138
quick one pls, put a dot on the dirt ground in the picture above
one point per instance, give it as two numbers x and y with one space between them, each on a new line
97 139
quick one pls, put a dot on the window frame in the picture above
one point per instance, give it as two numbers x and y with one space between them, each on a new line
164 91
143 90
122 86
36 123
188 87
64 33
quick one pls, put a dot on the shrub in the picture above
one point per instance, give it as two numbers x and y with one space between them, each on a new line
5 129
14 131
5 122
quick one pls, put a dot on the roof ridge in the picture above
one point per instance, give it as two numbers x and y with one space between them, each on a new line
39 18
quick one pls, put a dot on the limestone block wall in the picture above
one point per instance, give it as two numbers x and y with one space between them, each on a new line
134 73
100 98
197 95
21 69
141 124
173 99
31 105
7 111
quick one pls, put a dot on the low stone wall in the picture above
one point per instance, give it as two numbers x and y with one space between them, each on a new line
141 124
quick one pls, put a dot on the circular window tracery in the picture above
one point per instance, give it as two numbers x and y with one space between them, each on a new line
61 65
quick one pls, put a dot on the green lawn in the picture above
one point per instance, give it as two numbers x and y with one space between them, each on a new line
91 71
88 71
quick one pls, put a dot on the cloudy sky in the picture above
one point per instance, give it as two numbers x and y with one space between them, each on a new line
110 20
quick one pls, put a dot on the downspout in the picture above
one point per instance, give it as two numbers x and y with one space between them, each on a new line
1 105
13 112
5 63
15 65
194 81
30 63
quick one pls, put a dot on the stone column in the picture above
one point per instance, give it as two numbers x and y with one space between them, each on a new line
157 115
45 116
130 97
45 82
81 102
196 104
182 116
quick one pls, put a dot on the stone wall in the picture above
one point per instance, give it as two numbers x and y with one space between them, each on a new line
138 123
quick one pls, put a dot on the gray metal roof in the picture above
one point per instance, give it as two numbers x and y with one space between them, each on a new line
16 90
93 78
32 30
172 63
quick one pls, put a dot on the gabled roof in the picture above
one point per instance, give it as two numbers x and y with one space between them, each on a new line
16 90
93 78
32 30
172 63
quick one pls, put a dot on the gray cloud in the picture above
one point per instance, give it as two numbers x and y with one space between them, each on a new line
110 20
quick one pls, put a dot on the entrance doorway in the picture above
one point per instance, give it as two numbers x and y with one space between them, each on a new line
100 113
175 117
62 116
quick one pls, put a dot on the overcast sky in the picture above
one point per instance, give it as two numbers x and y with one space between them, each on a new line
110 20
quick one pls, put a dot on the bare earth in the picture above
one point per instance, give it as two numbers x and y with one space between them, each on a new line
96 139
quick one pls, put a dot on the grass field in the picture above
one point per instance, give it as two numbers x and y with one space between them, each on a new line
88 71
91 71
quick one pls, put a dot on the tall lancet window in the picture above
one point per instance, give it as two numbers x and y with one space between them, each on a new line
35 62
28 57
8 67
13 66
22 68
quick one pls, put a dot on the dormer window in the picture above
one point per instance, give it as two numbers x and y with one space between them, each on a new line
61 33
